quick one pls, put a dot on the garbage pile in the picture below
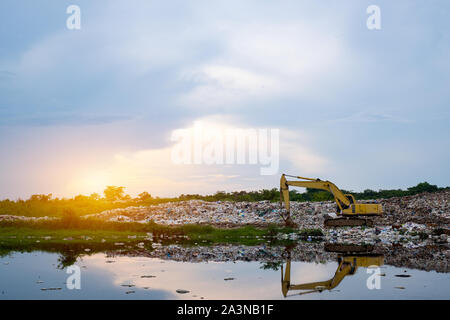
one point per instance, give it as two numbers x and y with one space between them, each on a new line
430 209
424 208
7 217
409 235
221 213
218 213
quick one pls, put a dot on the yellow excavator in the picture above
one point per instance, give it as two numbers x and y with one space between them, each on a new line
348 264
347 207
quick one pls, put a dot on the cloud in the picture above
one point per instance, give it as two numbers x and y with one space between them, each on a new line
217 85
6 75
300 155
291 66
371 117
60 120
154 170
261 61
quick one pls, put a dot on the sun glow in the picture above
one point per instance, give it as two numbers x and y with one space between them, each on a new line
91 182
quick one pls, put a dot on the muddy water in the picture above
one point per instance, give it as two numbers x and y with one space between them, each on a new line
43 275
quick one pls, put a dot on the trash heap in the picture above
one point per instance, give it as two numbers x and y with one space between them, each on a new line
429 209
7 217
218 213
410 220
410 235
221 213
424 208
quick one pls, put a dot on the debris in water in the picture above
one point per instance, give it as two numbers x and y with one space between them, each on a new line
182 291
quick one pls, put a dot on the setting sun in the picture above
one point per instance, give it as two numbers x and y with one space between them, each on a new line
91 182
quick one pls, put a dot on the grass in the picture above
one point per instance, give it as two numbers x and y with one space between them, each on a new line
90 231
73 243
73 237
28 236
24 232
73 234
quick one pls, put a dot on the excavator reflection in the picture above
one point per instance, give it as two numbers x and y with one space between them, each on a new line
348 264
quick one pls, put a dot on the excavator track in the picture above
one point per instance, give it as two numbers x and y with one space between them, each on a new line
348 248
348 222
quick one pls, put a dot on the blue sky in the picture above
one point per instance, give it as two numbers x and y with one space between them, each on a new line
81 109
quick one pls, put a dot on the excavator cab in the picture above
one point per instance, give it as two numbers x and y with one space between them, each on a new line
350 198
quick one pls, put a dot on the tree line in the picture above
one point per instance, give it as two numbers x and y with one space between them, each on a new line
115 197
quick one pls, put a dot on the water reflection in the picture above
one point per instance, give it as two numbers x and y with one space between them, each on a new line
216 272
347 266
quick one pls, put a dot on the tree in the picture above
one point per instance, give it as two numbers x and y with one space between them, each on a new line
145 196
80 197
41 197
113 193
126 197
94 196
423 187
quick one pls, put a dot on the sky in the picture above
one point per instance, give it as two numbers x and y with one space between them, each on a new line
84 108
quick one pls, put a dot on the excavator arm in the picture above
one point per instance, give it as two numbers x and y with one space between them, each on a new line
343 270
343 201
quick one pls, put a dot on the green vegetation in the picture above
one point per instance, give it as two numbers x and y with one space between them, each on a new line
74 236
81 239
73 244
320 195
58 229
40 205
30 236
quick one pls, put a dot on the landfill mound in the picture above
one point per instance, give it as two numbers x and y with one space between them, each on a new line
430 209
423 208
